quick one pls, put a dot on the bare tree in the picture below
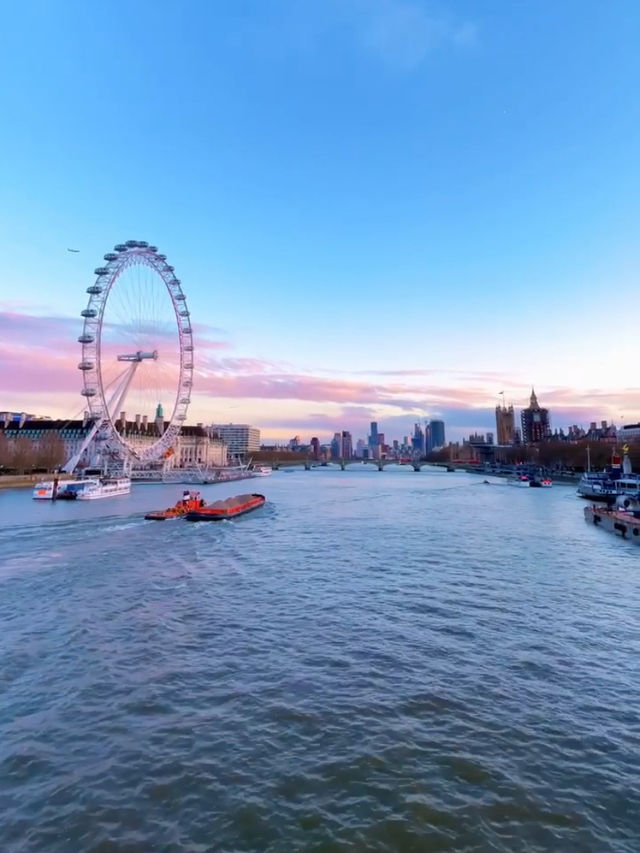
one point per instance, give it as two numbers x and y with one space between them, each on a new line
5 452
23 455
50 452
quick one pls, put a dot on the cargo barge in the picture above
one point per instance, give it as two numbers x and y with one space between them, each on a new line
620 521
229 508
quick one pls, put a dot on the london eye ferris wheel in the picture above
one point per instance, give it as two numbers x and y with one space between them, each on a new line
137 352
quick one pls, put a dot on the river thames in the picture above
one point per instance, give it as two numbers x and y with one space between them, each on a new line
391 661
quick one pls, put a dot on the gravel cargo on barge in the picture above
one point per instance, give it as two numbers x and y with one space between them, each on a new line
229 508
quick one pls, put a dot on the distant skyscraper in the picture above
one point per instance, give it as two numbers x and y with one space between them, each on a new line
347 445
418 439
373 435
535 422
436 431
505 425
315 447
336 445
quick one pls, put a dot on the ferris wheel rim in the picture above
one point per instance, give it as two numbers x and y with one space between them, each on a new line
123 257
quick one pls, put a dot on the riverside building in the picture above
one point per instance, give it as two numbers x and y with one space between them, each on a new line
436 434
56 441
239 438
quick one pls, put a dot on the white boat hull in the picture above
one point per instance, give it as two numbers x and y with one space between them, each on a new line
104 490
44 491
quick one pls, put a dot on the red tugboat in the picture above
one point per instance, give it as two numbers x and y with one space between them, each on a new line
188 502
229 508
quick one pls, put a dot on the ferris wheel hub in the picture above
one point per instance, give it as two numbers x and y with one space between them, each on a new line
139 356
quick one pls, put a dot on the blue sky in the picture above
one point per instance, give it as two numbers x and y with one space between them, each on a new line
379 209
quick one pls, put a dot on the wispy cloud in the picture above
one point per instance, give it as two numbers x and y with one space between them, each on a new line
399 34
403 33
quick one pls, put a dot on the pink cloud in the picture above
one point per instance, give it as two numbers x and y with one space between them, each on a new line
34 368
41 353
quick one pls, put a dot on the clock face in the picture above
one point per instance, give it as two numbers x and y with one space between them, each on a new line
536 418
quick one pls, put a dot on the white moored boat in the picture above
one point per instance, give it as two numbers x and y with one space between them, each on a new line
521 480
105 487
262 470
48 490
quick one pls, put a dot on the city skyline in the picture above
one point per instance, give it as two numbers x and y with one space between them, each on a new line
388 211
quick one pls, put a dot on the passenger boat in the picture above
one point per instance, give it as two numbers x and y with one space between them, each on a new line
50 490
617 478
262 471
229 508
188 502
96 487
521 480
596 486
541 482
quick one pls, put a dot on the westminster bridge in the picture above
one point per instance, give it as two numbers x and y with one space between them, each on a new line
343 464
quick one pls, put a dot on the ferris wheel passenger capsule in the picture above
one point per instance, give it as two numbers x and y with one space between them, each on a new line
110 256
131 244
120 247
101 270
86 339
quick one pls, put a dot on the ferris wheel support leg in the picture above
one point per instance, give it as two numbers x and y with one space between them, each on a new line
115 405
116 400
70 465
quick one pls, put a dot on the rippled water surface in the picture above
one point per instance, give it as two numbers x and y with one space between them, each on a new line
372 662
